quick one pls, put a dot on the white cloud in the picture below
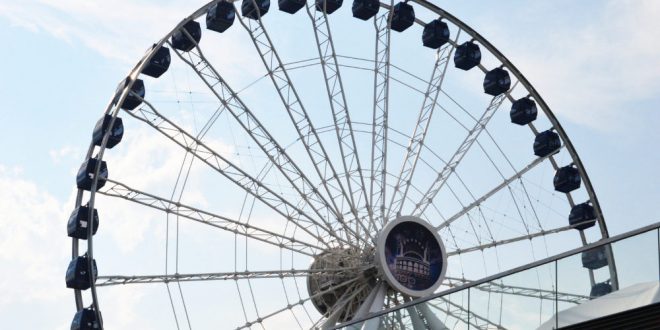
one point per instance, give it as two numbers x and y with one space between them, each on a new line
596 72
120 29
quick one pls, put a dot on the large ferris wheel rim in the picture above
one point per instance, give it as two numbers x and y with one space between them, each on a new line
463 26
113 109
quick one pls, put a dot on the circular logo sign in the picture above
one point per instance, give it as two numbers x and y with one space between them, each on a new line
411 256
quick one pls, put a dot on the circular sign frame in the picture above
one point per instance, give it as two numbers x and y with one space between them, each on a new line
387 264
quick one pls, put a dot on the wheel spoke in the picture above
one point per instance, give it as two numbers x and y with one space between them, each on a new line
248 121
149 115
338 105
380 115
120 190
512 240
421 128
494 287
463 314
456 158
109 280
300 302
299 117
492 192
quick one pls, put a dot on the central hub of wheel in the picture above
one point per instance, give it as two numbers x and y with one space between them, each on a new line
329 273
411 256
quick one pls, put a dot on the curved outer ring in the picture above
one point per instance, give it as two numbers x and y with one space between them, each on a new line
382 262
113 109
539 100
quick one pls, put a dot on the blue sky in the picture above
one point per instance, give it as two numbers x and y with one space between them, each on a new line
594 62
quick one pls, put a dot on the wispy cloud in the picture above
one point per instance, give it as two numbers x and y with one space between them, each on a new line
599 72
120 29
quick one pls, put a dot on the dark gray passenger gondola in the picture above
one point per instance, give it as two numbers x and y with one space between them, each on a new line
220 16
182 42
496 82
599 290
403 16
249 10
582 216
85 319
116 133
523 111
546 143
79 223
330 5
77 274
365 9
436 34
291 6
86 174
567 179
159 63
595 258
467 56
135 95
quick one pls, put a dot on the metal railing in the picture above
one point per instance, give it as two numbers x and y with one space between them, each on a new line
532 295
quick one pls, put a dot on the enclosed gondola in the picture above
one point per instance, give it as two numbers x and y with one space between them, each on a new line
159 63
365 9
582 216
135 95
77 274
254 9
102 127
78 224
403 16
496 82
567 179
523 111
467 56
85 176
187 37
435 34
220 16
546 143
329 6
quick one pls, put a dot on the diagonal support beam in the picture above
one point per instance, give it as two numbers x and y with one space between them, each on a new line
451 165
380 116
149 115
300 118
495 287
421 128
511 240
259 134
123 191
492 192
109 280
337 98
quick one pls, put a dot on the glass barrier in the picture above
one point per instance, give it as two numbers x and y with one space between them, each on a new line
604 280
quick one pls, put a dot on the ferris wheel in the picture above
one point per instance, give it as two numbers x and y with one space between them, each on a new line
341 162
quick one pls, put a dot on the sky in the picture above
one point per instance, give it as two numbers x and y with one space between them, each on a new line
594 62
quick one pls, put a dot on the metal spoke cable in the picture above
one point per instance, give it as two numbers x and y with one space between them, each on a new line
459 154
421 128
253 127
380 115
339 107
120 190
299 117
226 168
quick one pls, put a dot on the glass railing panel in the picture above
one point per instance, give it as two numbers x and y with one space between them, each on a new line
522 300
589 274
451 311
636 260
577 286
